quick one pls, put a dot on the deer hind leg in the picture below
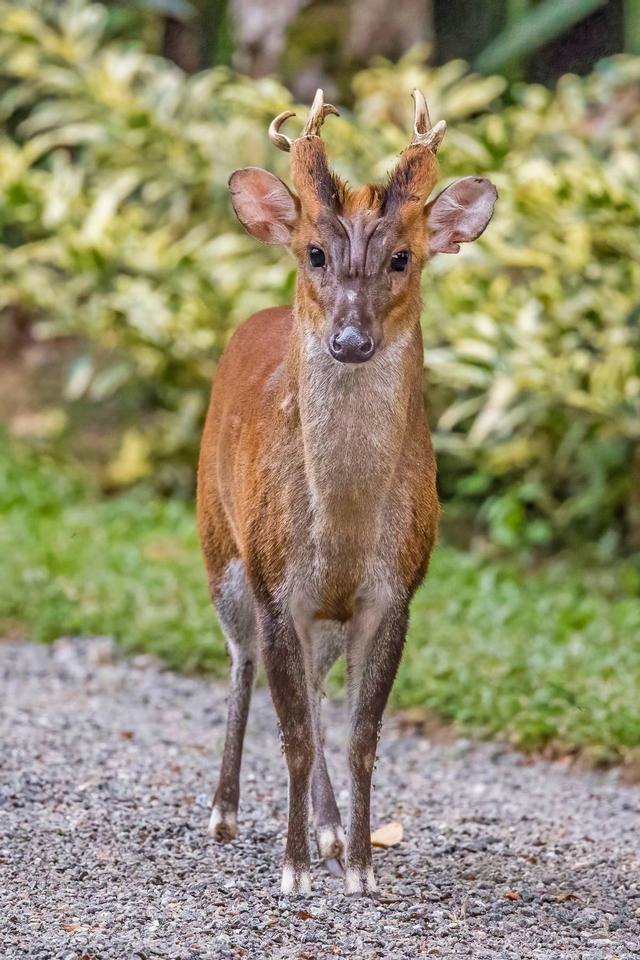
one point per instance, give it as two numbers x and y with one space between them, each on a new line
326 644
235 604
373 654
288 681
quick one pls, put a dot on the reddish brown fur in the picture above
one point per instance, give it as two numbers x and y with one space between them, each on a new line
244 499
236 492
317 500
246 510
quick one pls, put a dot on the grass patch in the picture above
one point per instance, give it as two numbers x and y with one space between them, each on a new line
541 656
127 567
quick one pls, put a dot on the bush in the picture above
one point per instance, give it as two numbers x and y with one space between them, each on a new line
115 227
536 335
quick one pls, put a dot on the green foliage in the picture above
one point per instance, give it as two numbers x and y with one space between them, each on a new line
541 656
529 30
115 226
127 567
536 336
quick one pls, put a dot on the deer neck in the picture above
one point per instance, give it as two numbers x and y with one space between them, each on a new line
353 421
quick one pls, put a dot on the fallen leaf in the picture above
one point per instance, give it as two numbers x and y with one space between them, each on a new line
562 897
512 895
387 836
80 928
304 915
126 734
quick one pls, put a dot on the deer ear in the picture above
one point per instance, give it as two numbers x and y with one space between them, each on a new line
264 205
459 214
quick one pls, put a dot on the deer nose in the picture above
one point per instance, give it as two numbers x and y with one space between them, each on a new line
351 345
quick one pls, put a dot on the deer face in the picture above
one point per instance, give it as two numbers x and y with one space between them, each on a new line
357 270
360 252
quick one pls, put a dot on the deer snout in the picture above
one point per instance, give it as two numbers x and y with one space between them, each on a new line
351 344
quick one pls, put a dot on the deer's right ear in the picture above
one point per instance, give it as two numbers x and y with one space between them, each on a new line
264 205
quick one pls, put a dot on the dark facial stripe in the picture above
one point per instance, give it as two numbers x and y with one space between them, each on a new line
328 187
401 186
359 231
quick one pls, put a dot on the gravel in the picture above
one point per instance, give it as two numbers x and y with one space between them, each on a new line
107 768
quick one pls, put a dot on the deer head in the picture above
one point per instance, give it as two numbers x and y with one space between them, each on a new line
360 251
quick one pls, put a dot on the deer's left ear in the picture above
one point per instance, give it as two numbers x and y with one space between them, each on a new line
459 214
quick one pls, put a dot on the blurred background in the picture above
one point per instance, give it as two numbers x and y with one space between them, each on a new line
123 273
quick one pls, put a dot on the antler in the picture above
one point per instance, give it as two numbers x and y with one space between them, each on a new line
319 110
423 133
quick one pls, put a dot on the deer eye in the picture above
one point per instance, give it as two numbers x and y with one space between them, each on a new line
400 260
316 257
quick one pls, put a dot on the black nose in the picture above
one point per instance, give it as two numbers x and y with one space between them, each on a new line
351 345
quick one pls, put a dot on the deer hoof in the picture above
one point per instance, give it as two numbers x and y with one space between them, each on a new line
330 842
295 883
334 868
222 825
360 882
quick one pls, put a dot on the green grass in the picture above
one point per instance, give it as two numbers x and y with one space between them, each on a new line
547 655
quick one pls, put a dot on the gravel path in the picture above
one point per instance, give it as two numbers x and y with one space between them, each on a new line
106 772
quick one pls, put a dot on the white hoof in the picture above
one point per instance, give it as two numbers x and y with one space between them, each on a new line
223 825
330 842
295 882
359 882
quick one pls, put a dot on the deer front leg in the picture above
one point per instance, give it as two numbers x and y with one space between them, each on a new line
373 655
285 667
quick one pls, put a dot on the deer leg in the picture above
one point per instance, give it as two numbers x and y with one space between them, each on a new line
234 601
373 655
328 825
326 645
285 664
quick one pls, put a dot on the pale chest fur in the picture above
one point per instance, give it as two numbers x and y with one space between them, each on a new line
354 421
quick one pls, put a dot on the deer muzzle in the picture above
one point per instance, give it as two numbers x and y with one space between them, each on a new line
351 344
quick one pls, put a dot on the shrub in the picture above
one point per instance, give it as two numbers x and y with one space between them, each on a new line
115 227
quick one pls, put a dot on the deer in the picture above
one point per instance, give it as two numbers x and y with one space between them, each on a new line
317 503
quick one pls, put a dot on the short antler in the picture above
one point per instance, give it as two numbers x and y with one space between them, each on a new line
416 172
319 110
278 139
423 133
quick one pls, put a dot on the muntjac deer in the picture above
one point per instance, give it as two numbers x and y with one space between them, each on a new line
317 497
